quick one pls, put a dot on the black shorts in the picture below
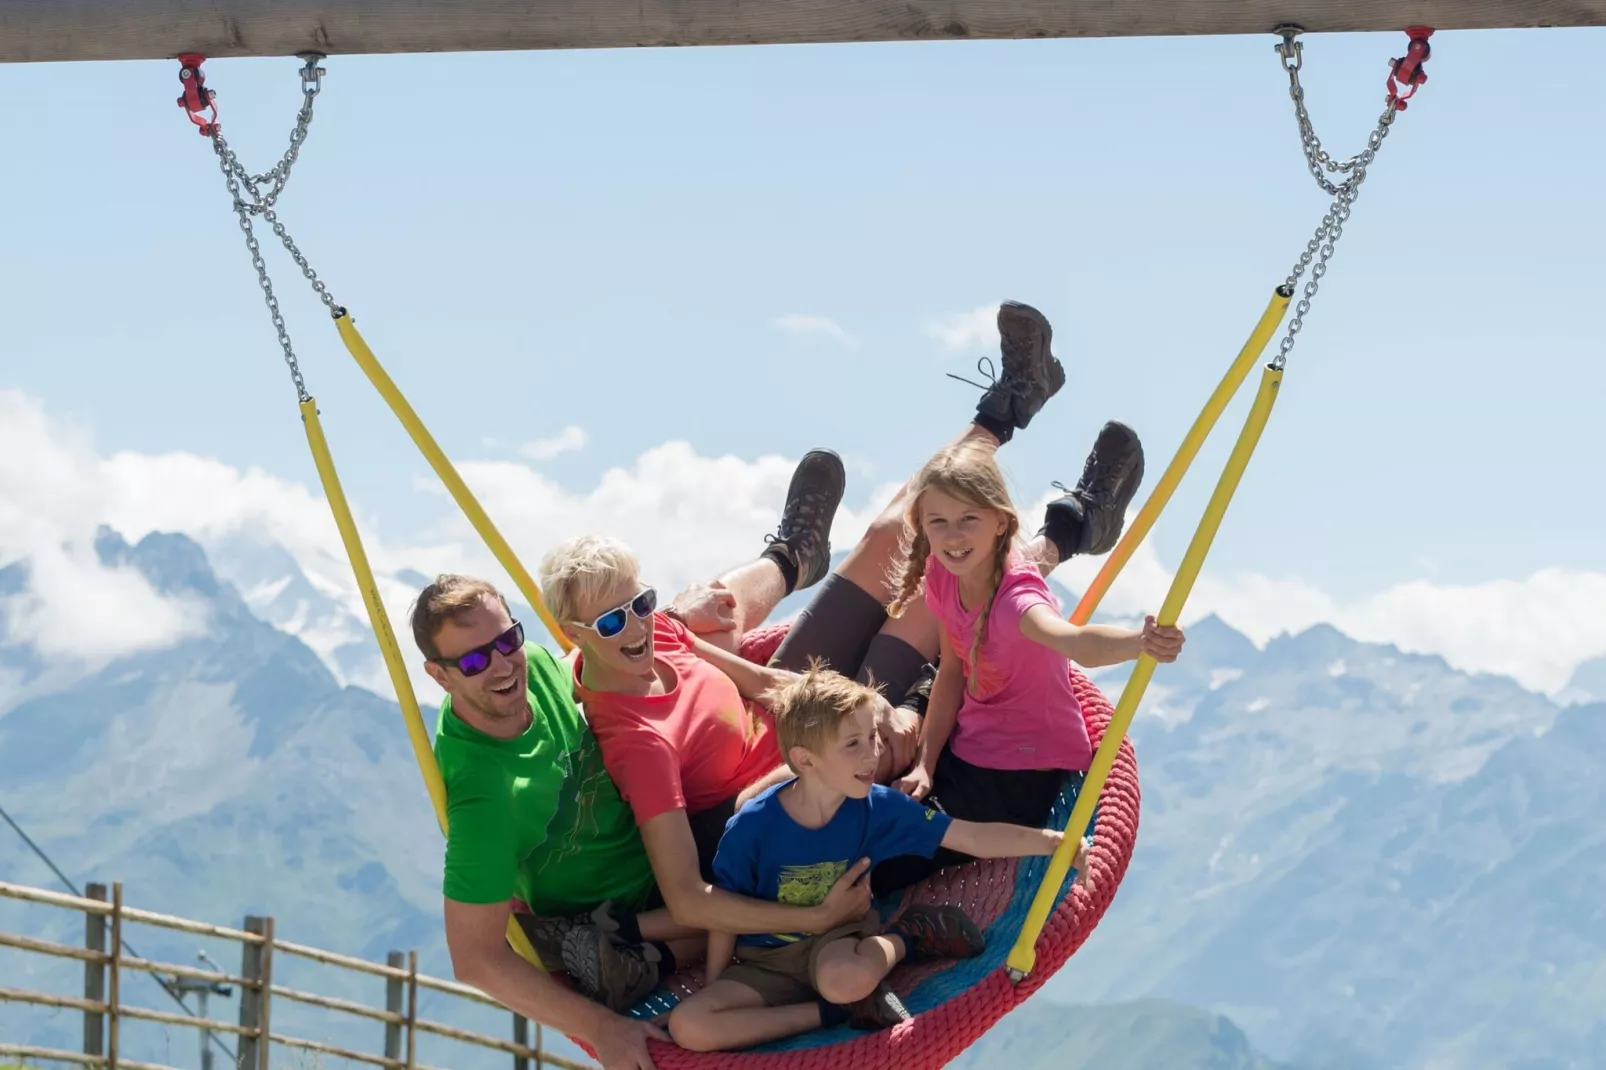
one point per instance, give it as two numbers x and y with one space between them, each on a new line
969 792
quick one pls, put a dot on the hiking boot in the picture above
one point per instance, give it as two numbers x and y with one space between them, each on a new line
546 935
1031 373
804 535
616 975
919 694
881 1009
937 933
1096 508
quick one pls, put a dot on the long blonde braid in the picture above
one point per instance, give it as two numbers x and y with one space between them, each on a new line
909 571
1000 558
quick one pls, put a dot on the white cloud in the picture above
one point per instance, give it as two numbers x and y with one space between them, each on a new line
688 516
801 323
566 441
52 493
967 331
1536 629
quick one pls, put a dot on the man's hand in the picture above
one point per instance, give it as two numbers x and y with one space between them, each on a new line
621 1043
899 729
849 898
706 608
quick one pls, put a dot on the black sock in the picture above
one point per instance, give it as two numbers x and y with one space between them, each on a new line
832 1014
997 428
666 965
783 561
1064 530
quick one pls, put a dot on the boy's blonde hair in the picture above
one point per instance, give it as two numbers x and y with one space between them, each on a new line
578 571
809 711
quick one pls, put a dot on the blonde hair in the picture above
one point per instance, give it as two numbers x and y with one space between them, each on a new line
810 709
968 472
580 570
449 597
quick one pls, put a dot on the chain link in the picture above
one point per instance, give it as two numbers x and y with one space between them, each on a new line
262 202
1344 193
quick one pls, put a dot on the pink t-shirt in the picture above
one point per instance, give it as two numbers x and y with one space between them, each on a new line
1019 711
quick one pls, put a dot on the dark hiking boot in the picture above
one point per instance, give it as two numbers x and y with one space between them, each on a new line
881 1009
1031 373
1096 508
616 975
937 933
804 535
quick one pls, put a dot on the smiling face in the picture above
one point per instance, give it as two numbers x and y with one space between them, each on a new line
497 699
962 537
625 653
845 764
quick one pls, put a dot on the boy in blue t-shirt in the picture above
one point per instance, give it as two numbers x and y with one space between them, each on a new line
792 842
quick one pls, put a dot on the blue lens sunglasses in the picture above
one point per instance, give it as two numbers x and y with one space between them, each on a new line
613 622
478 660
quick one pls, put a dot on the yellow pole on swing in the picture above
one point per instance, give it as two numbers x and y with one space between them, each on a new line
1023 956
447 473
379 620
1160 497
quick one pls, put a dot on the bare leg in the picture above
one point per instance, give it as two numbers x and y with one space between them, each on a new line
728 1015
849 970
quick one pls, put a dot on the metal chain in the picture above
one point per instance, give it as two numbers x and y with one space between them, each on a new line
1320 246
262 203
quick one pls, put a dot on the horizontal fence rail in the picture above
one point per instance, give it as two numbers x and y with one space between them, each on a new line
107 966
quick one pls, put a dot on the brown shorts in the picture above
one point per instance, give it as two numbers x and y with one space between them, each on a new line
785 974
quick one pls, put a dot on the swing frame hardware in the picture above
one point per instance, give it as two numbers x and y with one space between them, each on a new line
196 98
1023 955
1408 68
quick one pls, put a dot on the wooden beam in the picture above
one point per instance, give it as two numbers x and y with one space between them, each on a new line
58 30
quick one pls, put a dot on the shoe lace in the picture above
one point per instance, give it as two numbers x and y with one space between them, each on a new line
1007 384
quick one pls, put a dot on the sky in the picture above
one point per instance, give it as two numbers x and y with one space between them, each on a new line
627 289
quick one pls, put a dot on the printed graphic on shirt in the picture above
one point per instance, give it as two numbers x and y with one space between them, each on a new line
574 824
807 886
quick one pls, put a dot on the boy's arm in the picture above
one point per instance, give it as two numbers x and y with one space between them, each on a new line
997 840
1096 645
721 946
947 693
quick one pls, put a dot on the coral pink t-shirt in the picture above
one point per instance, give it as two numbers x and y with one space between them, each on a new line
693 747
1019 711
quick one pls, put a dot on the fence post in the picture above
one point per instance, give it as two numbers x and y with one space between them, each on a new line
116 976
412 1010
250 996
395 1003
521 1037
95 974
265 1004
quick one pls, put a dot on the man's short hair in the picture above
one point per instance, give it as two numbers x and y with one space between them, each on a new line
809 710
578 571
448 598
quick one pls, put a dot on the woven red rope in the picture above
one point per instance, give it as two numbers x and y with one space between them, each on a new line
983 889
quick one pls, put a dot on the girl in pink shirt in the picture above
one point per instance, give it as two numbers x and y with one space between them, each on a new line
1003 730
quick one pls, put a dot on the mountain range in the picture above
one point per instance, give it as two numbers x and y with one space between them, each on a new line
1356 856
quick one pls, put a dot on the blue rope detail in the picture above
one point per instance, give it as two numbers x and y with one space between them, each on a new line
957 979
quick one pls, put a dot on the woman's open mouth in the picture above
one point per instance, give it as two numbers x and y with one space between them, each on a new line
636 651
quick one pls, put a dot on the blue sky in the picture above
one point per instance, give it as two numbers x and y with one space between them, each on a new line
608 240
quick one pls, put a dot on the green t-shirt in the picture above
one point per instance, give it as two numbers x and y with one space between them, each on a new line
537 816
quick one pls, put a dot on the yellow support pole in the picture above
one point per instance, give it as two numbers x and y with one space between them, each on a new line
448 475
1202 426
379 620
1023 956
377 617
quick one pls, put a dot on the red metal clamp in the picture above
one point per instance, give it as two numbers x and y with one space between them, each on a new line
1407 70
197 99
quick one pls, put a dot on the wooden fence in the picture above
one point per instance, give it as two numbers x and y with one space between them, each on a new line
106 968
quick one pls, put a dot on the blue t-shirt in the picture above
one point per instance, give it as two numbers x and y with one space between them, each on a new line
766 855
